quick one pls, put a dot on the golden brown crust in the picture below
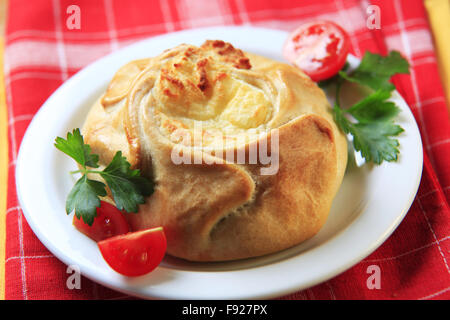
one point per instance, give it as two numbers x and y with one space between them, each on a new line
219 209
229 53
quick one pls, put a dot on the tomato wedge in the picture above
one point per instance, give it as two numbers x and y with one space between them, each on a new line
109 222
319 49
135 253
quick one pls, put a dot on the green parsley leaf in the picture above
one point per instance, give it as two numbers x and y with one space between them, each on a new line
127 186
372 126
75 148
374 107
374 140
375 70
84 199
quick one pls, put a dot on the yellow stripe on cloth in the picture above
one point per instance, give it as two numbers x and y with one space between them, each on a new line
439 16
3 154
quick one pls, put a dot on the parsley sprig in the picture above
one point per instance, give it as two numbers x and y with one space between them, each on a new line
372 125
127 186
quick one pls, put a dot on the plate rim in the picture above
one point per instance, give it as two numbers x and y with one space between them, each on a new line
132 290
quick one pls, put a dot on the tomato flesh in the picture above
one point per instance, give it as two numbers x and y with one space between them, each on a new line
109 222
135 253
319 49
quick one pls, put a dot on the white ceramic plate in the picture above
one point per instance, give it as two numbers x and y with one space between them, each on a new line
370 204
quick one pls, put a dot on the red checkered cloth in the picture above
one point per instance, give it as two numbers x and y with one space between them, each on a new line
41 53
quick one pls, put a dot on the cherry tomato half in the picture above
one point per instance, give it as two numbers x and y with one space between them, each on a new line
319 49
135 253
108 223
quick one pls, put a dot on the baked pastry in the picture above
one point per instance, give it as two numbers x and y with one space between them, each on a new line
192 119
